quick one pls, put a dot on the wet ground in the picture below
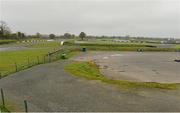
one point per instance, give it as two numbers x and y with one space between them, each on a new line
137 66
49 88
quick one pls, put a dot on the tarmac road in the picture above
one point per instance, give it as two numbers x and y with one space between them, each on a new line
48 87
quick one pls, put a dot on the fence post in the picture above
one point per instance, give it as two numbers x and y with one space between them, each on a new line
0 75
2 96
16 66
25 105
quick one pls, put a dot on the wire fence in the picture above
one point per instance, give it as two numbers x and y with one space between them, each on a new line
30 62
50 57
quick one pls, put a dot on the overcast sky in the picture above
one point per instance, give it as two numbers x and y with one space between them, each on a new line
153 18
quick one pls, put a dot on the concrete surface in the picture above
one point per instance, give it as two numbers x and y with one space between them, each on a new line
137 66
48 87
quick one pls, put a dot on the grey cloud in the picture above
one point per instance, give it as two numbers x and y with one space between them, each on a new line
159 18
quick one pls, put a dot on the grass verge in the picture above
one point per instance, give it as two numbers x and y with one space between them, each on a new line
7 41
43 44
177 46
20 57
90 70
121 48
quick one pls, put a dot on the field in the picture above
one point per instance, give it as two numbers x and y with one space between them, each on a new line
43 44
18 56
113 72
118 41
7 41
21 58
119 46
32 50
177 46
29 51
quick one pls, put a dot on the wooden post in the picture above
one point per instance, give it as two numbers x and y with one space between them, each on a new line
2 96
16 68
0 75
25 105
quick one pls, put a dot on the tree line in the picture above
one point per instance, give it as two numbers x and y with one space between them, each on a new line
5 33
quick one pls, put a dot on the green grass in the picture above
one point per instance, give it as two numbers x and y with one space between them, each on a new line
90 70
34 55
71 53
3 109
177 46
39 43
5 41
113 41
29 57
117 47
108 43
9 58
114 45
43 44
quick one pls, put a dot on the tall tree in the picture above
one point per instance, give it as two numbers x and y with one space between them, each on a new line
20 35
38 35
23 35
67 35
52 36
82 35
4 30
14 35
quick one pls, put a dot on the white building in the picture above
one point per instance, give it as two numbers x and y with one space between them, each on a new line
126 41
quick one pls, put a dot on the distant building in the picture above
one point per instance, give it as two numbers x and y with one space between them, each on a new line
163 42
50 40
126 41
